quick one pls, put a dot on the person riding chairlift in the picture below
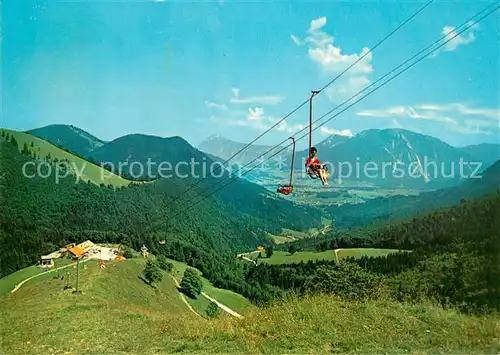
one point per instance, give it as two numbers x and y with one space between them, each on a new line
314 165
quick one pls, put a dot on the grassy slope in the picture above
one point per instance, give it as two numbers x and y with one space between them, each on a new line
278 239
8 282
285 232
91 172
283 257
119 313
73 138
116 304
359 252
231 299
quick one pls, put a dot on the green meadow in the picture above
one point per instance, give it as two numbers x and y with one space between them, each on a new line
82 168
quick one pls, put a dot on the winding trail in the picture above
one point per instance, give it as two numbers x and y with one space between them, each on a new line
182 296
18 286
242 256
223 307
337 255
248 259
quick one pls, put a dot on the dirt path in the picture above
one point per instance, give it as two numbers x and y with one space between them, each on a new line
184 298
18 286
337 255
248 259
242 256
223 307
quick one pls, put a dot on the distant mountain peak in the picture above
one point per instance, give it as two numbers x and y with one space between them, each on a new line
223 148
334 140
69 137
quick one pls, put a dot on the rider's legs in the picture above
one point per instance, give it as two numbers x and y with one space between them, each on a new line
323 174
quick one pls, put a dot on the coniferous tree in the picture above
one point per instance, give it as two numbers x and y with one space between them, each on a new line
13 141
152 273
191 283
164 264
269 251
213 310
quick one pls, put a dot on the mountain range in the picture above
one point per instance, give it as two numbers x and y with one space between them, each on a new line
392 158
388 157
452 259
401 207
225 149
70 138
238 217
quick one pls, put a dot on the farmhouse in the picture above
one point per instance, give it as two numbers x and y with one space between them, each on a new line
87 249
47 261
82 248
66 248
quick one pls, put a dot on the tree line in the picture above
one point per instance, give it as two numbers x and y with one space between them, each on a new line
454 256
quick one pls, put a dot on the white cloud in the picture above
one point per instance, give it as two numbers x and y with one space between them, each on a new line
481 123
406 111
319 39
317 24
461 39
462 109
469 130
327 131
269 100
263 100
285 127
253 117
464 38
216 105
255 114
460 123
257 119
347 88
331 61
297 41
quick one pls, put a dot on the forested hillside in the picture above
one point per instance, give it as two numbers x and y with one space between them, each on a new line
400 207
41 150
39 215
186 165
486 152
454 259
70 138
454 254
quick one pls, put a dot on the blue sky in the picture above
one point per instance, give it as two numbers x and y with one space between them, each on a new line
234 68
